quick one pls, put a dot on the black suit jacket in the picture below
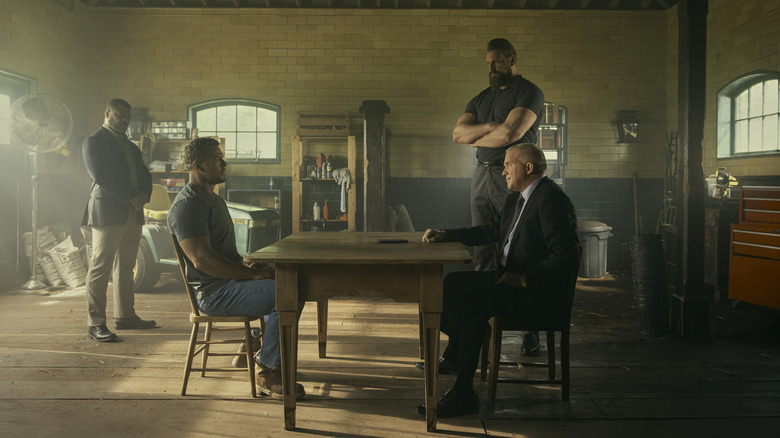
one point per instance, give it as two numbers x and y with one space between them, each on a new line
545 246
106 162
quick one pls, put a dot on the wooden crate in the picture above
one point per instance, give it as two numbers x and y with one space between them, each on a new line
314 124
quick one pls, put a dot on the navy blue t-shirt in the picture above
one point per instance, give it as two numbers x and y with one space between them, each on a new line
494 105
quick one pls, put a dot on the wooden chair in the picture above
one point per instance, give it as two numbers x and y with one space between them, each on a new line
197 318
562 325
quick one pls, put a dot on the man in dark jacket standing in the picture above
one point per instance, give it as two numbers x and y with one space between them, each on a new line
121 185
539 254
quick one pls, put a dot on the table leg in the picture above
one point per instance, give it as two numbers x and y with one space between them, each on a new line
431 324
288 338
287 306
322 326
431 296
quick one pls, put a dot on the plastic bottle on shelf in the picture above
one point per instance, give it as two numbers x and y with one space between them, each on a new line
325 211
316 212
276 202
328 170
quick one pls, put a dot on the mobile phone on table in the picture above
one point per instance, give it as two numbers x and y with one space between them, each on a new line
392 241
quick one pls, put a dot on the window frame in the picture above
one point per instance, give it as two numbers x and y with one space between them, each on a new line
726 114
224 102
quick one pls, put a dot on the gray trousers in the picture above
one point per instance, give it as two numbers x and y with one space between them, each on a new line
488 193
114 249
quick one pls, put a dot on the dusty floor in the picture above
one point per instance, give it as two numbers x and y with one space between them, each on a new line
55 382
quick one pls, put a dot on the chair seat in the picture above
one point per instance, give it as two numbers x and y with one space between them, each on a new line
209 318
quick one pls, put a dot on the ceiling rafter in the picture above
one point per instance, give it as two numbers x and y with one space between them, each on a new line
628 5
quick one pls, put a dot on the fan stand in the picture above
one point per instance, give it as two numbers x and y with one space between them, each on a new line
33 283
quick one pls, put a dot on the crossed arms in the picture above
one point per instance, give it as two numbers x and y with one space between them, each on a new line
493 134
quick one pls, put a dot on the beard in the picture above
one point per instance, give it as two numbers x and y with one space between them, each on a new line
500 80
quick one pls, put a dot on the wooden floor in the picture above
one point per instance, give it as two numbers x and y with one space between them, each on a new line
55 382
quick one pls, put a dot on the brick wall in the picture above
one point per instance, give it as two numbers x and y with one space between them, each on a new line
742 37
425 63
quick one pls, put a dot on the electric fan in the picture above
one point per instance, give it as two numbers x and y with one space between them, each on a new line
40 123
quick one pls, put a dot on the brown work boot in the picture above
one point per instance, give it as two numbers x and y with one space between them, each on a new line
239 361
269 382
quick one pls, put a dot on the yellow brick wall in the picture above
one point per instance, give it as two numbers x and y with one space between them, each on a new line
426 64
743 37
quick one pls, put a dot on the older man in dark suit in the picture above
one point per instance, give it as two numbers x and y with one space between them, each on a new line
121 185
540 250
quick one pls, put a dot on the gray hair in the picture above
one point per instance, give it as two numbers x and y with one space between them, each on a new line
530 153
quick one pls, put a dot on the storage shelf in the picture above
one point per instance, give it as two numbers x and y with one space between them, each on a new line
303 145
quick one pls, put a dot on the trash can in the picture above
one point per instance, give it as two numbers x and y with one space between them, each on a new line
593 238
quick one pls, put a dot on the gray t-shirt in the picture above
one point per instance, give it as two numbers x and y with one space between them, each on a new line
197 213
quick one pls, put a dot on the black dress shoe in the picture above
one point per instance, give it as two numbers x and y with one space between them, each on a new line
530 344
445 366
452 404
133 323
100 333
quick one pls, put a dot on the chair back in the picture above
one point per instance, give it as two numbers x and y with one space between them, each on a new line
183 267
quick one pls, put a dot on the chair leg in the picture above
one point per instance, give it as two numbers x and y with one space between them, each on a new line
485 354
322 326
420 331
190 352
495 358
565 377
551 355
262 331
250 361
205 351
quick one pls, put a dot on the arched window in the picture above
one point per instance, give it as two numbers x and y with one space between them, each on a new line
749 116
250 127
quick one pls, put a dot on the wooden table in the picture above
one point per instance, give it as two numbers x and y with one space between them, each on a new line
314 266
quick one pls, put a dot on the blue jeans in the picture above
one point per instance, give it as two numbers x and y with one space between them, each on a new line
255 298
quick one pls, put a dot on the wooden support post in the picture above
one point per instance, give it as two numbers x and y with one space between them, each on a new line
690 304
375 164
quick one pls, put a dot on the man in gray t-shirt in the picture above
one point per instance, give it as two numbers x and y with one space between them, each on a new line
225 286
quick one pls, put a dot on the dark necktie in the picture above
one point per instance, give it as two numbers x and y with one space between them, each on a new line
518 209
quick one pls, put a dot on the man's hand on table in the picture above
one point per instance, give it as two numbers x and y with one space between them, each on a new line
433 236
